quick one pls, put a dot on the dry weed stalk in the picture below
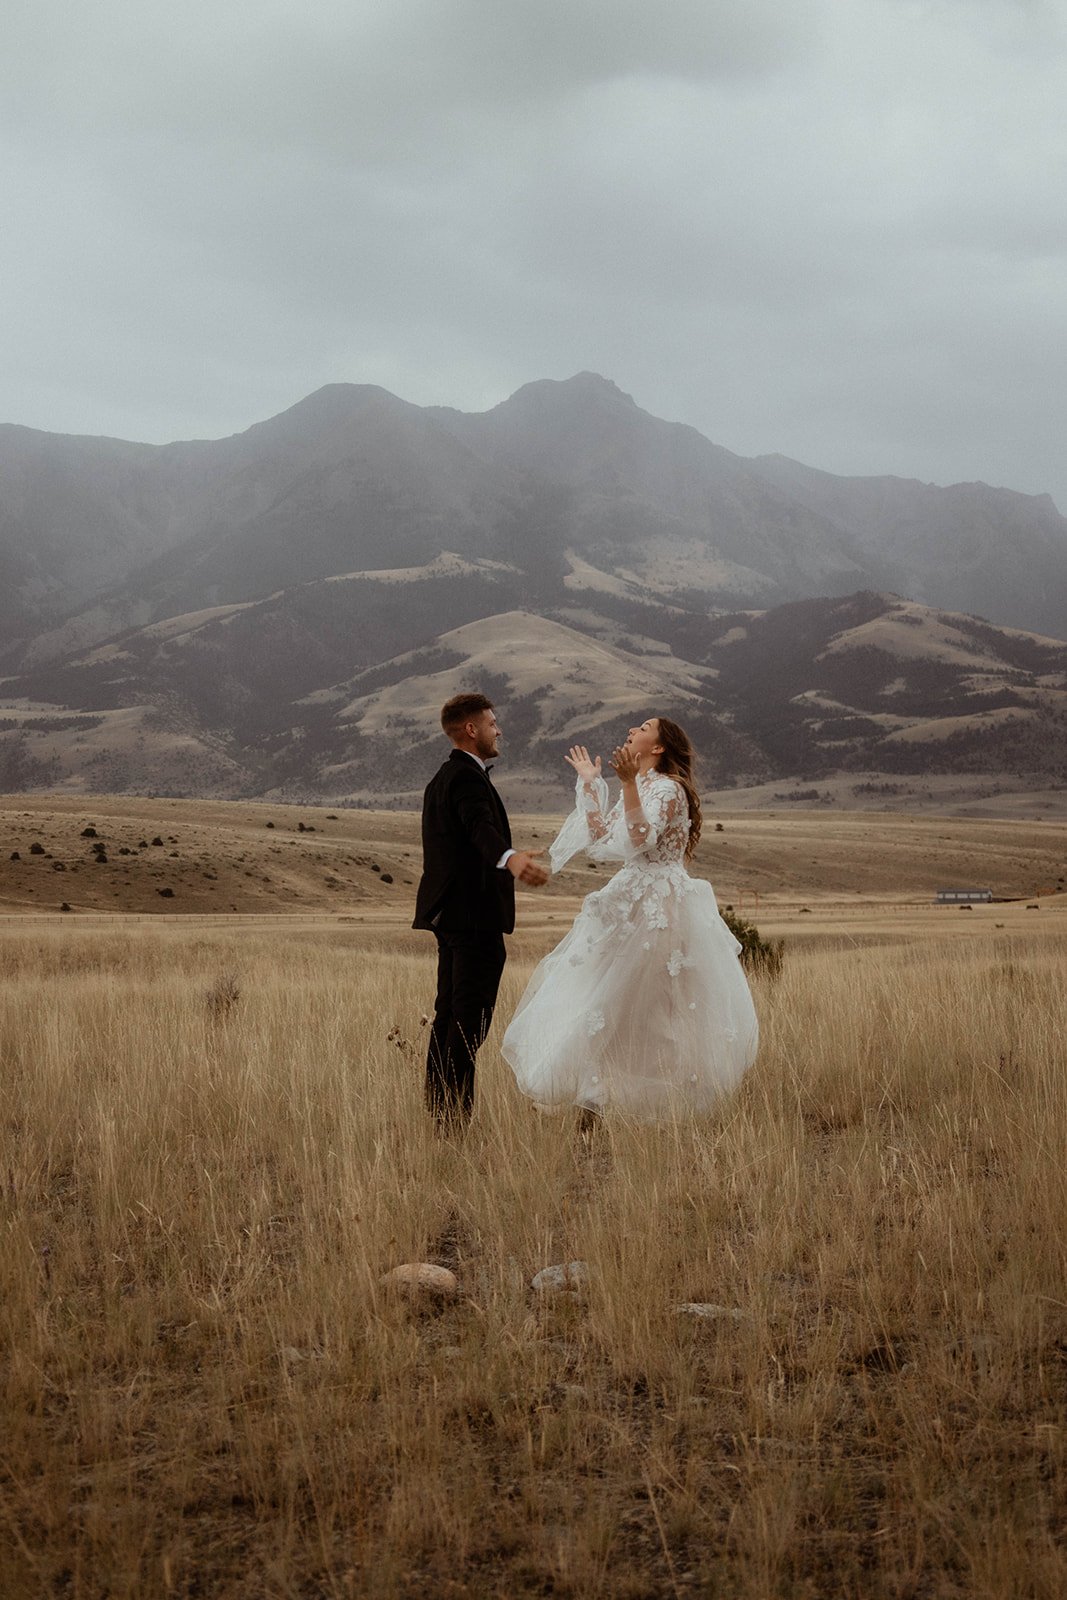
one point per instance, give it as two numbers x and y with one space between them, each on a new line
206 1390
407 1047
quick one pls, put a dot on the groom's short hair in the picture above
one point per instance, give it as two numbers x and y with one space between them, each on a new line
460 709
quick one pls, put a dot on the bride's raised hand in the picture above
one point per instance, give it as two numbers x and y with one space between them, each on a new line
579 759
624 764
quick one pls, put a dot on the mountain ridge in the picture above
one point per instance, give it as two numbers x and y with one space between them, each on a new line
199 615
366 478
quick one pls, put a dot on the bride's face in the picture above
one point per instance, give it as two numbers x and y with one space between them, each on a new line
644 742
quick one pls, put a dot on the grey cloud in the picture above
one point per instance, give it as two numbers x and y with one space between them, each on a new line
382 74
832 228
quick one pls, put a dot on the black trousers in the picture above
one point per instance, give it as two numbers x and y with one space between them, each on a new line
468 977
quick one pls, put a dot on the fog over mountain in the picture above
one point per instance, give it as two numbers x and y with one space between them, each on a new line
285 610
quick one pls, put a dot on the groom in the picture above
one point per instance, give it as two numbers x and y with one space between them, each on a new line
467 899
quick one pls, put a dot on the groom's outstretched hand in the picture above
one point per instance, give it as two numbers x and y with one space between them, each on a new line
524 866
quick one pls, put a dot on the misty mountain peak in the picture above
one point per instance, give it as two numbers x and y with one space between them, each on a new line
586 386
563 395
334 406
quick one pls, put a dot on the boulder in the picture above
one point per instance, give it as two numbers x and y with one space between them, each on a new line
422 1278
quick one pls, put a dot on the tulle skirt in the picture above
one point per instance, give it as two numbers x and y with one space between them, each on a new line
643 1005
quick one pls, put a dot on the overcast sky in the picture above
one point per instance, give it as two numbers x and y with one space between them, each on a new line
831 228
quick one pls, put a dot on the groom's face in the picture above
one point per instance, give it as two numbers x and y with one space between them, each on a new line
486 734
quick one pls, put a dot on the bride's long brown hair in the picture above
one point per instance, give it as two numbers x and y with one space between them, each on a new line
676 761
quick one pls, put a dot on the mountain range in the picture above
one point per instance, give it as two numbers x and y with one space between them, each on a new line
282 613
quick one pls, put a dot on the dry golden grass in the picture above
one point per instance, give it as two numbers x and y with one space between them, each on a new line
207 1392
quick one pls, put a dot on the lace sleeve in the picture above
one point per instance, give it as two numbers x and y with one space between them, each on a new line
662 806
586 826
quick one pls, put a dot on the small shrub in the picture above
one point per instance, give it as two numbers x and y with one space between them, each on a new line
758 955
800 794
224 994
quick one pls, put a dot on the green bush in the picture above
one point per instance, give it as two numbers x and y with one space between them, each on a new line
758 955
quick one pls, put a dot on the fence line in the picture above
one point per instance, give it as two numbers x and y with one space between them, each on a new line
837 908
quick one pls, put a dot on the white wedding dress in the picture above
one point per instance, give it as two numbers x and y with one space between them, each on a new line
644 1004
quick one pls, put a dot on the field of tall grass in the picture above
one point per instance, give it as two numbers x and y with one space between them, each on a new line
211 1151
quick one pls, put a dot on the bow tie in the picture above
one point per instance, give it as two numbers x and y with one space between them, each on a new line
488 770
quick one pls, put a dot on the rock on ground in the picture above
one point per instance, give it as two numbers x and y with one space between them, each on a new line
422 1277
567 1278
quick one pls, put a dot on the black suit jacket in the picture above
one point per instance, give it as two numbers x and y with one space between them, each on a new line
465 831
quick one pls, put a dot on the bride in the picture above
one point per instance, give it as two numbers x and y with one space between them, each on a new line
644 1004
